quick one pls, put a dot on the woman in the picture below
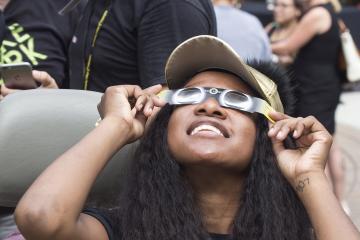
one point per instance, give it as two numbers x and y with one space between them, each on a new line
286 16
317 41
202 171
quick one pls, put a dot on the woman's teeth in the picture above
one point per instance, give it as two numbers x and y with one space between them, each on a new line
206 128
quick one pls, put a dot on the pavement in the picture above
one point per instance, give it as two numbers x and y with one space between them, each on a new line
348 137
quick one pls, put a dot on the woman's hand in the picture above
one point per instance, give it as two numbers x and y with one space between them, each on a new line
130 105
313 145
304 169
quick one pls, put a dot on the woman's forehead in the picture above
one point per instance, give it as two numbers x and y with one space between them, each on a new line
219 80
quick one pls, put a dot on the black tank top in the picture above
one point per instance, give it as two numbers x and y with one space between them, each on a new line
323 48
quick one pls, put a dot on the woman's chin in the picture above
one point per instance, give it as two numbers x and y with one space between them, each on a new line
209 158
204 157
211 154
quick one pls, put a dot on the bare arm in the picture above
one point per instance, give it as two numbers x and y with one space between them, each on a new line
304 169
326 214
51 207
315 22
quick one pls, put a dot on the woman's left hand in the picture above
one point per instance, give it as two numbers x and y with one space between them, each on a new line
313 145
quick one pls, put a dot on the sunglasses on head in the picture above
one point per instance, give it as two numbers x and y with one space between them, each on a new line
225 97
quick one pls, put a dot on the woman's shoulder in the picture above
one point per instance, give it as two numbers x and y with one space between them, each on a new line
320 11
317 17
317 12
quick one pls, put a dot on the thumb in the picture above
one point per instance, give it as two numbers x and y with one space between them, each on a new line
44 79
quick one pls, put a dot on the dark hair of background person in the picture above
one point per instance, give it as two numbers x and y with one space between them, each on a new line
158 202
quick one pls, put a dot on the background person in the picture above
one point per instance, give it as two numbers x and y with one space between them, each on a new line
286 15
242 30
128 41
195 182
317 41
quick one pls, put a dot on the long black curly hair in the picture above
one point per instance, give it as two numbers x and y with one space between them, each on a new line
158 202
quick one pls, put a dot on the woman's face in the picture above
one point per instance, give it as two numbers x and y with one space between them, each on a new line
285 11
193 130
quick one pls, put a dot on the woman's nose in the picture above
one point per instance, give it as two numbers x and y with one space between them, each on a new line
210 107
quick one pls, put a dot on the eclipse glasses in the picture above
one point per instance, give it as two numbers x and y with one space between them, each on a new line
225 97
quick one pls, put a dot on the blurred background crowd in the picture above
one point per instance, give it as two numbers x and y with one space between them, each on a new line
96 44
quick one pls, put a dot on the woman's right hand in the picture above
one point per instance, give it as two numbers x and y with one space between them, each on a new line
130 105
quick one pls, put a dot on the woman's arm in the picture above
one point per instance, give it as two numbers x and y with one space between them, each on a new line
316 21
51 207
326 214
304 169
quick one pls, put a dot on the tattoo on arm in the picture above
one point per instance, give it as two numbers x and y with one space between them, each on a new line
302 184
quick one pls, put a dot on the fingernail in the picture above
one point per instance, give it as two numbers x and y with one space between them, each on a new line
271 131
279 135
295 133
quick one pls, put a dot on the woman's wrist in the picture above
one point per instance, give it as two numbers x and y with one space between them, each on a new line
324 210
120 129
305 182
312 188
